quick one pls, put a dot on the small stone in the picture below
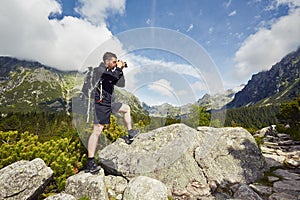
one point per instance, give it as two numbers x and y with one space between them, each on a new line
282 196
262 190
61 196
293 162
289 186
286 143
273 160
267 150
272 178
285 174
283 136
246 193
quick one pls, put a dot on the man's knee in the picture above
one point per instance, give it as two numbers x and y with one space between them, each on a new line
98 128
125 108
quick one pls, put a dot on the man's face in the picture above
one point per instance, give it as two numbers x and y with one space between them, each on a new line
112 63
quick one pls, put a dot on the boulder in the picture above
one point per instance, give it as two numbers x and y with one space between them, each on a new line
145 188
187 161
24 179
87 185
115 186
235 156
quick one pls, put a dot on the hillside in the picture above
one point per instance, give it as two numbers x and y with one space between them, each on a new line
279 84
30 86
27 86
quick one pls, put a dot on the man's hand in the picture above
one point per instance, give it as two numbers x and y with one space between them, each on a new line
120 64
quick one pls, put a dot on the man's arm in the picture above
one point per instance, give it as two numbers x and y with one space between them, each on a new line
121 81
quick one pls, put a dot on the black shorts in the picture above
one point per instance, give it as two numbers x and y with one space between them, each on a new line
102 112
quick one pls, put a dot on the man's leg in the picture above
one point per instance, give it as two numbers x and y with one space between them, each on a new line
93 140
92 146
125 109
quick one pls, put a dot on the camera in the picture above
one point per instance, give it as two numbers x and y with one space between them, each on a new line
125 64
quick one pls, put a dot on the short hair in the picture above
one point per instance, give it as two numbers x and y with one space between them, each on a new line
108 56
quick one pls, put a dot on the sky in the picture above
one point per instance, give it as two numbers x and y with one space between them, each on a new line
177 50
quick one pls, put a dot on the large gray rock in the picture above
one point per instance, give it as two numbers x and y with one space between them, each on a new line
24 179
87 185
145 188
187 161
234 157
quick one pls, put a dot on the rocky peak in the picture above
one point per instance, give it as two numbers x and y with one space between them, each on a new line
279 84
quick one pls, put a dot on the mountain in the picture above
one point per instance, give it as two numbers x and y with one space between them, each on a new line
279 84
162 110
27 86
217 101
30 86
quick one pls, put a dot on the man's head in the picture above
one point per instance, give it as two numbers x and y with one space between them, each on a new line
110 60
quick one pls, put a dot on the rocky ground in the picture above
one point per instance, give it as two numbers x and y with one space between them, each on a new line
282 155
177 163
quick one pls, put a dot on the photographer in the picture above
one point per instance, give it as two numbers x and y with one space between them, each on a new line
108 74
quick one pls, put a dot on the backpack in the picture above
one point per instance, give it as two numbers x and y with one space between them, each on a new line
91 82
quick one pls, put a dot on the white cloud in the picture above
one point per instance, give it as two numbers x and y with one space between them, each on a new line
26 32
211 30
148 21
163 87
190 28
232 13
267 46
199 86
97 11
292 4
228 4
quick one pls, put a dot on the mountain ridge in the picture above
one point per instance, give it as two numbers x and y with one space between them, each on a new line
279 84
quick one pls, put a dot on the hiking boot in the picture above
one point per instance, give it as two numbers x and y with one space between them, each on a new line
133 133
92 167
127 139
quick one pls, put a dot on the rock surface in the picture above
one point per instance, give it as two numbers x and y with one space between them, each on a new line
244 192
24 179
61 196
145 188
283 156
87 185
177 162
187 161
115 186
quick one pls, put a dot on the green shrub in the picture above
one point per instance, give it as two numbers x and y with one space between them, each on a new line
64 156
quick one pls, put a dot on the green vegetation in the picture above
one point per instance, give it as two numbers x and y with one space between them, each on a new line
252 118
64 155
46 125
289 118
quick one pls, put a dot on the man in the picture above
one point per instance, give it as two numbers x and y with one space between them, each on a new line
108 74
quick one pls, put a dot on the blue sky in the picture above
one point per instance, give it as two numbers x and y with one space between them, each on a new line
240 37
